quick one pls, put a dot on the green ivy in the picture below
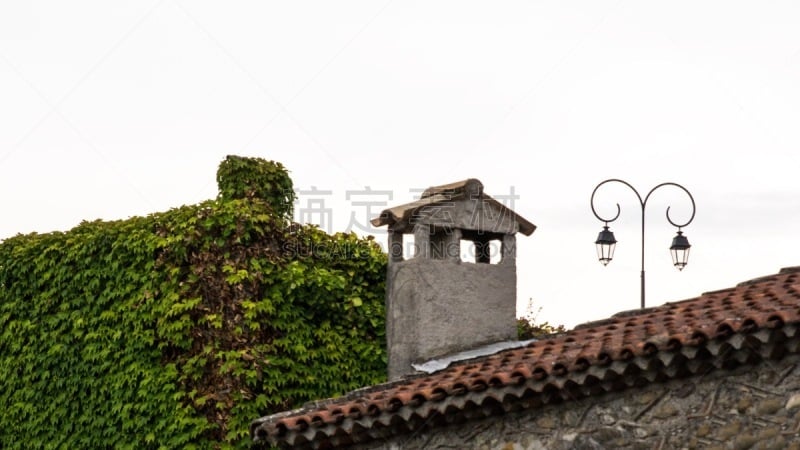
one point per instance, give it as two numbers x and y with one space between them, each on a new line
177 329
239 177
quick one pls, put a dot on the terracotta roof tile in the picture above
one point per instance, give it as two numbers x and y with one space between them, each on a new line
719 330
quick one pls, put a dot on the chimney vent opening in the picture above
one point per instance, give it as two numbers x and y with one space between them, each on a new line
481 251
410 250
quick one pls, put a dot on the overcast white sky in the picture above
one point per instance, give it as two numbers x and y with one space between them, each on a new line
112 109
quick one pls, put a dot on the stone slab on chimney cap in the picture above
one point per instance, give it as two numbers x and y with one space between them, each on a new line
437 302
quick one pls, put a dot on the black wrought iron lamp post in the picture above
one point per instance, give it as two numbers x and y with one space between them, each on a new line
606 242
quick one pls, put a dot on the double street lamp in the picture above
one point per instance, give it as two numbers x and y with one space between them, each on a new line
606 242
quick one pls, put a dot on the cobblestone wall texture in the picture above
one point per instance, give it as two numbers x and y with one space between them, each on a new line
755 407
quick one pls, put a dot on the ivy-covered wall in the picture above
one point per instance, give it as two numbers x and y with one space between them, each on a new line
175 330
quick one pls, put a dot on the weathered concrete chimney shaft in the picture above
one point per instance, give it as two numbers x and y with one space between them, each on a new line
457 290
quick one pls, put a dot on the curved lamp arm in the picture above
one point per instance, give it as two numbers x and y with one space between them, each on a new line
610 180
643 203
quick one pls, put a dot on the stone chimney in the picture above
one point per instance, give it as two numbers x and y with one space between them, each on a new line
442 300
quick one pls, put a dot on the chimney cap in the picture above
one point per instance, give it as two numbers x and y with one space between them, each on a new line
469 189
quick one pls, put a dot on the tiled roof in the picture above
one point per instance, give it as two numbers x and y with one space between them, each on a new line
719 330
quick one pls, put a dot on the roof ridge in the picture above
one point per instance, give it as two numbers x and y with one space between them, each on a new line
784 271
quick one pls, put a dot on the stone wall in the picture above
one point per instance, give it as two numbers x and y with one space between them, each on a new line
755 407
